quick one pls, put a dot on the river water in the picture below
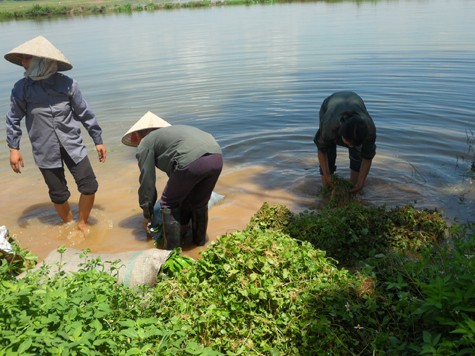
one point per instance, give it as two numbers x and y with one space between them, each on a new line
254 77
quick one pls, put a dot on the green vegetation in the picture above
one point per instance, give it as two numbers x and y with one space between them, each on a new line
12 9
24 9
349 279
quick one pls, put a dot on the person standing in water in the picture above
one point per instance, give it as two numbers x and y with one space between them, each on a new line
344 121
53 108
192 160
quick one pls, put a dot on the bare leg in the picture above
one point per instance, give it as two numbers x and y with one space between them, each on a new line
354 176
64 211
85 206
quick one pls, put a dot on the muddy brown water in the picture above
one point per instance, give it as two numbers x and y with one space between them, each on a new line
116 217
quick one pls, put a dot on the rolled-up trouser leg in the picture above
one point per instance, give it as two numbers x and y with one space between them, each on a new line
199 225
83 175
57 185
171 228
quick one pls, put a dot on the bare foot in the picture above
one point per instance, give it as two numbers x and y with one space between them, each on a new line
84 228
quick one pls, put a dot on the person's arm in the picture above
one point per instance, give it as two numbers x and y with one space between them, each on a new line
323 161
14 117
322 156
84 114
364 170
147 190
368 151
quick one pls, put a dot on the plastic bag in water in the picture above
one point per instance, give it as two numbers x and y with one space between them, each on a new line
4 244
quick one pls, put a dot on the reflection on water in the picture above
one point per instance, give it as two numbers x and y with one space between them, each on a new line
257 88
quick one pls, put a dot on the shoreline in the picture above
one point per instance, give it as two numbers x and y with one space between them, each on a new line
18 10
15 10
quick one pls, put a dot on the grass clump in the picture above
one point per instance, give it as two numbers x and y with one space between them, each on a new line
338 193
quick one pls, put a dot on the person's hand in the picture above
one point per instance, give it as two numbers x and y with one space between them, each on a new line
356 189
101 152
327 181
146 226
16 160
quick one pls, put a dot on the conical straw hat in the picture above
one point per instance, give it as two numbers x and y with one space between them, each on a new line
148 121
39 47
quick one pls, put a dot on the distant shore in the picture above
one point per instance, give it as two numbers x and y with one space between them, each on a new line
11 9
14 9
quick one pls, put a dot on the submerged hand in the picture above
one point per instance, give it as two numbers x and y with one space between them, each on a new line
101 152
146 226
356 189
16 160
327 181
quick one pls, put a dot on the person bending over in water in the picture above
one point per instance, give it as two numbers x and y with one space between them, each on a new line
53 107
192 160
344 121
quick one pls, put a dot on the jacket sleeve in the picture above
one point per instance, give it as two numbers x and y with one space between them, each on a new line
321 139
147 190
13 119
85 115
368 149
322 142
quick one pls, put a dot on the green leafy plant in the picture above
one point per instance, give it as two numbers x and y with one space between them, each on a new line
414 229
338 193
270 217
354 231
176 263
431 298
15 262
255 291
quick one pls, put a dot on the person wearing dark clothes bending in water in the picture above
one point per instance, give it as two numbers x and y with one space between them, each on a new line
192 160
344 121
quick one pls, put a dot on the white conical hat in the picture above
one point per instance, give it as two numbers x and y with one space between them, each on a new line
39 47
148 121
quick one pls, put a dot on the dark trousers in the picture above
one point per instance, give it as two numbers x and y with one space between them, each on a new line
192 186
58 186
